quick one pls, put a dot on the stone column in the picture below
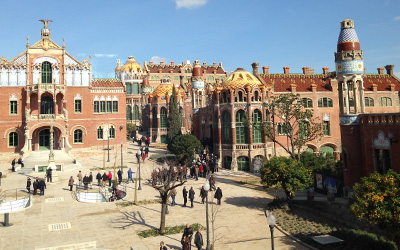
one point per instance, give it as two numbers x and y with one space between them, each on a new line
346 89
356 96
341 106
362 101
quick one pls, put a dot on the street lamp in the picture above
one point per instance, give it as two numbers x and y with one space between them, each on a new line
140 186
206 187
108 147
271 223
122 161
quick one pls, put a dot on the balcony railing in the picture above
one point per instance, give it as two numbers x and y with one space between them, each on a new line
242 146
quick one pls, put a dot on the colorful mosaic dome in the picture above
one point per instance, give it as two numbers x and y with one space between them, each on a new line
348 39
165 88
241 78
130 66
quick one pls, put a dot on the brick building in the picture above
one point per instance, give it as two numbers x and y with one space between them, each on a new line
46 85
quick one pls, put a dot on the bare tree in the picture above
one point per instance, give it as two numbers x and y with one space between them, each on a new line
215 209
164 179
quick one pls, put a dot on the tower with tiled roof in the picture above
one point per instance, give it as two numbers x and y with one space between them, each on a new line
198 96
349 72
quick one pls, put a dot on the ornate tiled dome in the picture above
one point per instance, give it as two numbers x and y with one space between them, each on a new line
130 66
348 39
165 88
241 78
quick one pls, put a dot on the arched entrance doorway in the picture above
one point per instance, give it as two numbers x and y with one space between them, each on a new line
41 139
44 139
243 163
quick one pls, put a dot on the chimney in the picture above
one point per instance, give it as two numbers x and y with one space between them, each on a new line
183 63
220 64
265 70
389 69
215 64
255 68
172 63
314 87
286 70
161 63
325 70
204 64
293 88
151 63
305 70
380 71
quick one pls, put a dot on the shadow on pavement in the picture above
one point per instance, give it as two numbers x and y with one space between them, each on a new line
248 202
131 219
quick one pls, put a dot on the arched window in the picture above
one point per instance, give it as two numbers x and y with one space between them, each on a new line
99 133
13 139
227 162
304 129
307 102
226 128
257 135
46 105
46 72
256 97
155 123
369 102
240 96
111 133
128 113
385 102
78 136
128 88
243 163
163 117
136 113
241 128
325 102
326 150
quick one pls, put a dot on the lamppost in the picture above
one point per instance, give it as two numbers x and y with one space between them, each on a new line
206 187
140 186
122 161
271 223
108 147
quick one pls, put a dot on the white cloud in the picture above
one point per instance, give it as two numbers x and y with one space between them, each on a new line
157 59
190 4
396 18
106 55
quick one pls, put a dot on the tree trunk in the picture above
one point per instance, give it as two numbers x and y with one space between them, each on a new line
164 199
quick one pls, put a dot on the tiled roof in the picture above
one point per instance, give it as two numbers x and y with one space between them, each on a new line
176 68
106 83
241 78
283 82
383 82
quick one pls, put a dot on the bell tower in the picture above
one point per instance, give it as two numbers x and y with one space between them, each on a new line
349 73
198 86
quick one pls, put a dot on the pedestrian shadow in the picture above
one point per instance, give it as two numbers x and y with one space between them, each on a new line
131 219
248 202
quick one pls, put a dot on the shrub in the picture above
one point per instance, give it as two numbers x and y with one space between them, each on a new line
364 240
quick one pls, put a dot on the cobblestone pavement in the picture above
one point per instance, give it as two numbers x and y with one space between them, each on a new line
240 222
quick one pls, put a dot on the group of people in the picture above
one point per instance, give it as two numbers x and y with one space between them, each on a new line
37 184
144 140
142 153
14 161
191 194
186 239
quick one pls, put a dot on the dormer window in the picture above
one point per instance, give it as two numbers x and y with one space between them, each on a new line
240 96
46 72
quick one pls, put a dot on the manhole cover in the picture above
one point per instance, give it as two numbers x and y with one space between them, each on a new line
57 199
59 226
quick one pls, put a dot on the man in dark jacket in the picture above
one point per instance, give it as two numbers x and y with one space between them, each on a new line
191 196
198 240
119 173
105 179
42 186
49 173
218 195
188 232
185 193
98 178
35 186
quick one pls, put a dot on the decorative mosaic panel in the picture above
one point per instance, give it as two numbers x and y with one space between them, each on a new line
56 76
21 59
22 77
69 60
13 77
36 75
347 35
4 77
69 77
85 77
45 59
77 78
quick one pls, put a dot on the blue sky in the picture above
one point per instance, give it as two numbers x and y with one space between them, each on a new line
274 33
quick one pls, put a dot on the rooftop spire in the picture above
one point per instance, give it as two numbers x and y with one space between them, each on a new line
46 31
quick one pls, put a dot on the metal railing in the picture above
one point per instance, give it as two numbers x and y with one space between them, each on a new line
8 197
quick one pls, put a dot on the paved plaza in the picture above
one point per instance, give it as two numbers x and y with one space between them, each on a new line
57 221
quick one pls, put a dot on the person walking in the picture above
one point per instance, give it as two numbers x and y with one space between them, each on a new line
138 154
218 195
80 178
35 186
86 182
28 185
162 247
191 196
212 182
130 172
105 179
109 178
98 178
49 173
146 151
203 194
119 173
173 195
197 172
13 165
198 240
185 193
71 183
90 178
188 232
143 156
42 186
21 162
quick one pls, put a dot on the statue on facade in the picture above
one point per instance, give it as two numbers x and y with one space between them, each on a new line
46 23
